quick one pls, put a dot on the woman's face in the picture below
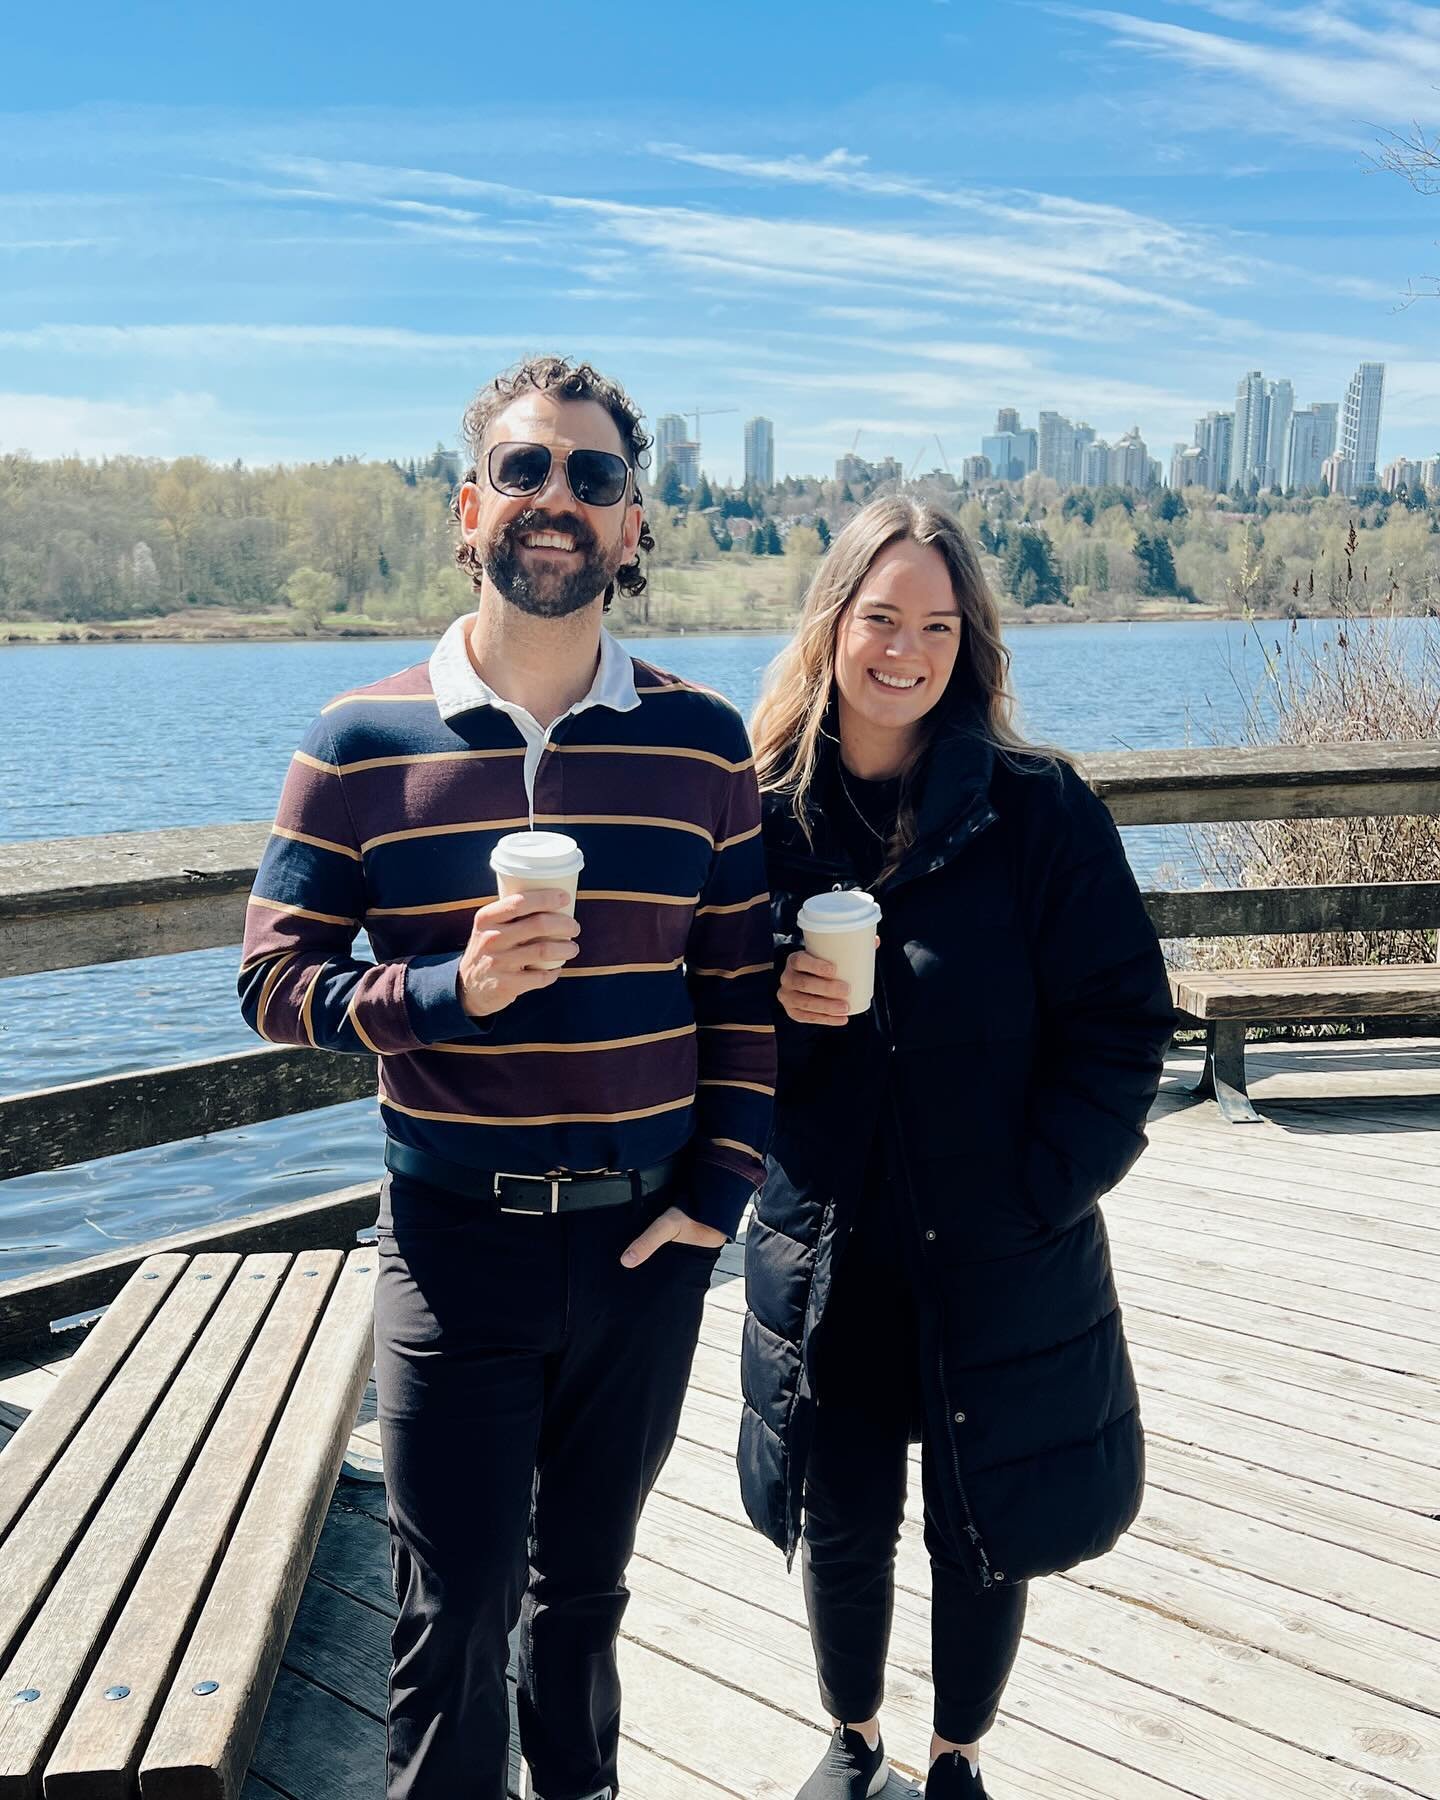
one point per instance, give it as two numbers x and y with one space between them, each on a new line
898 640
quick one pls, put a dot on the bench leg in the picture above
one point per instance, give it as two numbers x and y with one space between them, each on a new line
1223 1077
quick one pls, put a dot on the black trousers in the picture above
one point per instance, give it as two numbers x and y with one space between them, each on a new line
529 1391
868 1406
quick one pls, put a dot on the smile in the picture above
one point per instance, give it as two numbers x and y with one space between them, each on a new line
547 540
901 683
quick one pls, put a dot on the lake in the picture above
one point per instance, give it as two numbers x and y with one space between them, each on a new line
134 737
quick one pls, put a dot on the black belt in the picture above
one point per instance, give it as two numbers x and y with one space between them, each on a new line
536 1194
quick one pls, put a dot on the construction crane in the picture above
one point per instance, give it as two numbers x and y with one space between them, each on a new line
943 457
698 413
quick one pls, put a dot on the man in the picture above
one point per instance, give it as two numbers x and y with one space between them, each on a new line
568 1147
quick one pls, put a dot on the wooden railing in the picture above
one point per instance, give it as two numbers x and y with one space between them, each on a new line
72 902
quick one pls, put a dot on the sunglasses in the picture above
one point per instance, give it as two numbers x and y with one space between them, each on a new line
595 477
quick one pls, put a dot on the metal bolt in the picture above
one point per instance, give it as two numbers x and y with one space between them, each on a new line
930 1237
959 1418
204 1277
999 1574
118 1692
205 1687
27 1694
362 1268
310 1274
257 1277
152 1276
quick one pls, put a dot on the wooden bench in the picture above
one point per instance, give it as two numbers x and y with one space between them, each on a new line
1228 1001
158 1516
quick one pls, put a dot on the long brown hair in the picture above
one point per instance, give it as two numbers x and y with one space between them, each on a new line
790 720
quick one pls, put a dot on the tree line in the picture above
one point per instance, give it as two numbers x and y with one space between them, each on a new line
131 538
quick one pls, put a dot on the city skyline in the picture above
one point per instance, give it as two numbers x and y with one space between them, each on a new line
876 239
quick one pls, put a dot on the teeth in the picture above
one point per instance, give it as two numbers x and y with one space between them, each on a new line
548 540
895 681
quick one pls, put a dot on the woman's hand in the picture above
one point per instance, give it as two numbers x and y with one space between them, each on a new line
810 993
673 1226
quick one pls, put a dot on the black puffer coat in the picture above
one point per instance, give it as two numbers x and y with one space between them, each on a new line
1015 1044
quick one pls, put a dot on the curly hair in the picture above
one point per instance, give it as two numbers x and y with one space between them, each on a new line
567 381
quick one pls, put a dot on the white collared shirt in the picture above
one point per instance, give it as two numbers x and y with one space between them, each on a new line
459 688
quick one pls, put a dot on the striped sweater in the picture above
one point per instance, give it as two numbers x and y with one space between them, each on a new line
658 1035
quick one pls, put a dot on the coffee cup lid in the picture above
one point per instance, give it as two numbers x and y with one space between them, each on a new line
537 853
844 910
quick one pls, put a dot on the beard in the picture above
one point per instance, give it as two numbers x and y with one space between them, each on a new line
539 587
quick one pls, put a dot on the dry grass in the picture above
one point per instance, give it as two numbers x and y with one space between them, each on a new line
1357 679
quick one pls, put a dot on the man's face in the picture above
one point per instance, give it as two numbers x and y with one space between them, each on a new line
544 578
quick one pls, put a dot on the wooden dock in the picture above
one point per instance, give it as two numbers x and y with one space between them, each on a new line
1269 1631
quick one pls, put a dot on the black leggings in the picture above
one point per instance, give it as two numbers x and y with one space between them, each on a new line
867 1386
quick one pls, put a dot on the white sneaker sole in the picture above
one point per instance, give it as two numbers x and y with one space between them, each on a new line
879 1779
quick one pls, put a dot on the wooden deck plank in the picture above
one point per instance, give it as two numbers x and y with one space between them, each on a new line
99 1753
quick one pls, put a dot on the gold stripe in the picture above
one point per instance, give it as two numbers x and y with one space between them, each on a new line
733 974
739 906
424 831
741 837
305 1015
619 1118
316 843
733 1144
625 819
768 1030
376 700
314 762
648 899
267 989
440 906
755 1087
622 1043
360 1031
424 756
300 912
662 968
706 756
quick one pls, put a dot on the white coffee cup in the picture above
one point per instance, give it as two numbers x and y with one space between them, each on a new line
535 862
840 927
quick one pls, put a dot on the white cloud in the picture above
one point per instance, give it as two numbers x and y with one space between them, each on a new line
63 425
1384 68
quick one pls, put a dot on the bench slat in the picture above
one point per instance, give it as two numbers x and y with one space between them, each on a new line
42 1538
98 1757
203 1743
61 1643
44 1435
1260 995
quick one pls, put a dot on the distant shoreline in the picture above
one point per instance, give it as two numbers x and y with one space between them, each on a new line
44 633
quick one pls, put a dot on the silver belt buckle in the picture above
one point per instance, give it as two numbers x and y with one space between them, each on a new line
555 1181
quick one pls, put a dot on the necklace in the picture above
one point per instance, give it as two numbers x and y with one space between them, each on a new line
880 837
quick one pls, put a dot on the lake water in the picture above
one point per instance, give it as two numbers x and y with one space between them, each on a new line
134 737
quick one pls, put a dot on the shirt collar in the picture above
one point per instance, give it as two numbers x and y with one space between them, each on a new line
460 688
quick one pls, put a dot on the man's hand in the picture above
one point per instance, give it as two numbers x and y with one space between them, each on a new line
673 1226
810 993
508 940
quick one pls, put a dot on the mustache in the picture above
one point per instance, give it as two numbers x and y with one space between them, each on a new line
532 519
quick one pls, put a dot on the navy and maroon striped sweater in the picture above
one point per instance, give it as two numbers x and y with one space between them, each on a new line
658 1035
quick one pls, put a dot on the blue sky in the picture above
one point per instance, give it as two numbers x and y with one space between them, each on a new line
286 232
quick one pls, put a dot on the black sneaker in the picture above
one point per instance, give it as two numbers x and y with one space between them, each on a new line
849 1769
951 1778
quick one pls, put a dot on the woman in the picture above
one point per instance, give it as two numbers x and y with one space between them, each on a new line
927 1259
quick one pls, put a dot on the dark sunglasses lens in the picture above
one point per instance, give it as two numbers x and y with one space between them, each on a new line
597 478
519 468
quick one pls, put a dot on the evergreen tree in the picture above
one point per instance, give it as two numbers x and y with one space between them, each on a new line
1156 559
822 531
1029 568
1169 506
704 497
846 497
671 492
